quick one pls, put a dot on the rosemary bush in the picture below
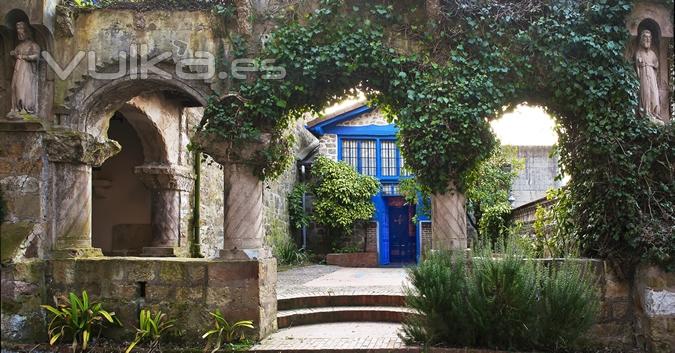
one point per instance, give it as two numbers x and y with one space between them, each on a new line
503 301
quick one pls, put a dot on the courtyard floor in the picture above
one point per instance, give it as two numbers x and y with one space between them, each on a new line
321 280
331 280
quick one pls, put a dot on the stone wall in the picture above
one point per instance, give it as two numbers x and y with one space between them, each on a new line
24 190
184 289
328 146
537 177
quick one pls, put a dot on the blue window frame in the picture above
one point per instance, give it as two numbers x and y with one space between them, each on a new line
360 154
378 157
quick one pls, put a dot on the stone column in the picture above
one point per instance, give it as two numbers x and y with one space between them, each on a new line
165 183
72 154
243 223
448 221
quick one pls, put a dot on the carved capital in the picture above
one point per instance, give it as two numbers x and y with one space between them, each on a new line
65 146
224 152
165 177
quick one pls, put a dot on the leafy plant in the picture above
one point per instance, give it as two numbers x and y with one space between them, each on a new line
225 333
501 301
150 329
488 187
342 195
414 193
296 210
77 318
554 232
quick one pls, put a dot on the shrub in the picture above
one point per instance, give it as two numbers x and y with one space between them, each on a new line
225 333
77 318
554 233
150 329
342 195
503 301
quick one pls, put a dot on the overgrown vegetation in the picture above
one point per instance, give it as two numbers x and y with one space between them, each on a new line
488 187
224 333
283 247
554 232
76 319
415 194
475 59
342 196
507 301
296 206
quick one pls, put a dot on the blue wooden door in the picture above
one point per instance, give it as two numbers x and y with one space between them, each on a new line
402 233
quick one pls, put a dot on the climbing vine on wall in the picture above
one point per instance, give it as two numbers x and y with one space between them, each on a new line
477 59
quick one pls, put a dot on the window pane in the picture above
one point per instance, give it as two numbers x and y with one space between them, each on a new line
350 153
388 150
368 158
390 189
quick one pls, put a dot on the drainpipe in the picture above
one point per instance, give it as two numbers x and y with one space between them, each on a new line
304 209
195 249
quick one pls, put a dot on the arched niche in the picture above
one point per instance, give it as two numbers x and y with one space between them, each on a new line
41 35
658 19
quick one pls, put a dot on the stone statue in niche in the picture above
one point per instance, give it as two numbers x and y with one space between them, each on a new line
647 67
25 77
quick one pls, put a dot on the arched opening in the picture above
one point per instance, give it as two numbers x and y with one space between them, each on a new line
528 132
142 197
120 201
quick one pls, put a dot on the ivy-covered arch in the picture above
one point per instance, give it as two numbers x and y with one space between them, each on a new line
475 60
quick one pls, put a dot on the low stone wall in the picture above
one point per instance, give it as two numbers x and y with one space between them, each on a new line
357 259
185 289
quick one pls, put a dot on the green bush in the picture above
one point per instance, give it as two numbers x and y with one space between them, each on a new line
342 196
503 301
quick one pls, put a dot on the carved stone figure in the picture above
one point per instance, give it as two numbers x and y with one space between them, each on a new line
25 77
647 66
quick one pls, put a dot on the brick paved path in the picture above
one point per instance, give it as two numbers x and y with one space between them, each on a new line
348 335
332 280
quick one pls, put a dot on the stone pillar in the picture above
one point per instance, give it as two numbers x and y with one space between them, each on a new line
448 221
165 183
72 154
243 222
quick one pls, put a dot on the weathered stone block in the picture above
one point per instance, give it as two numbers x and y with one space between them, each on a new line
220 273
141 272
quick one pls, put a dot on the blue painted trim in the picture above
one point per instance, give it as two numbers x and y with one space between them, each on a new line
319 128
363 131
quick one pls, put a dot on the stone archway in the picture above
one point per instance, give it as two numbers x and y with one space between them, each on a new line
153 106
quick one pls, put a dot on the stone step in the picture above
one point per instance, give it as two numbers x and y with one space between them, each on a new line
340 300
309 316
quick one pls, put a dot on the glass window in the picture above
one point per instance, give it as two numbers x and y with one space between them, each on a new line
390 189
388 150
360 154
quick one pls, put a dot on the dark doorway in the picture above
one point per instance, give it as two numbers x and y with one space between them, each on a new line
402 234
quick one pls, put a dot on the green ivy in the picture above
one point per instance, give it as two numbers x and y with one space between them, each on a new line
476 61
487 189
296 210
342 196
